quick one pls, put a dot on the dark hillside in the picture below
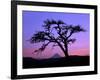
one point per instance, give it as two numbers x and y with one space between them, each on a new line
56 62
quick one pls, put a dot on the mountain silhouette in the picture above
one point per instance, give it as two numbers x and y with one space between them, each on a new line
56 56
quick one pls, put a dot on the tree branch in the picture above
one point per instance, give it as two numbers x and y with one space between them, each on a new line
42 47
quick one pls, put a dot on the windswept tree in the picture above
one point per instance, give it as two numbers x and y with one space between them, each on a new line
56 32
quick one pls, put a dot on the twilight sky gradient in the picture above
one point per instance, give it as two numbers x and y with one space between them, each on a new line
33 21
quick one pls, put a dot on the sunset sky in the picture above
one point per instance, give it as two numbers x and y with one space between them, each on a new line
33 21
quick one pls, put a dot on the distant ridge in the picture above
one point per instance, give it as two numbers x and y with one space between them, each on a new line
56 56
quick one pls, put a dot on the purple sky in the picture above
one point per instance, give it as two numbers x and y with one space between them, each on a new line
33 21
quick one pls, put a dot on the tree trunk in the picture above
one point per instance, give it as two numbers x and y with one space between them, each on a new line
66 49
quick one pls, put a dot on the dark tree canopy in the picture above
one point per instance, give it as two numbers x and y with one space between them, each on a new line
56 32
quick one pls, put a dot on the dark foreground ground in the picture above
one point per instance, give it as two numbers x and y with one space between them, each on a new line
56 62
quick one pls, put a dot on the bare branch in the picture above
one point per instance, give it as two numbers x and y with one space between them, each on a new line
71 41
75 29
42 48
